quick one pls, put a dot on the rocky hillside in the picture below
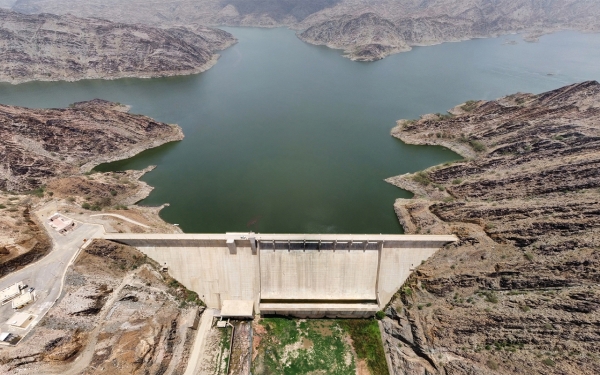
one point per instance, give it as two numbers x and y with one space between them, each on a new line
48 47
519 292
366 29
118 314
367 37
38 144
387 28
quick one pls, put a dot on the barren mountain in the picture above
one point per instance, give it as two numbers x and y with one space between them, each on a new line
48 47
388 28
365 29
37 144
519 292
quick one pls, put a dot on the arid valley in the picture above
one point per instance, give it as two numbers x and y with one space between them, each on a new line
299 187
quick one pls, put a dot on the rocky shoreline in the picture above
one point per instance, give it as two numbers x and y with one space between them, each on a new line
40 144
518 292
51 48
371 37
109 288
366 30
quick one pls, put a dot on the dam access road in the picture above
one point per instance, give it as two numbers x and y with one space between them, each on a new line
46 276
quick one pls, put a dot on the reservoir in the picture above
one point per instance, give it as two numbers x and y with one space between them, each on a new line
286 137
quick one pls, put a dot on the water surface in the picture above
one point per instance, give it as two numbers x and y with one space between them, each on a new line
282 136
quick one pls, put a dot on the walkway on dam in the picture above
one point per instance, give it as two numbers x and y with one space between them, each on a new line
199 342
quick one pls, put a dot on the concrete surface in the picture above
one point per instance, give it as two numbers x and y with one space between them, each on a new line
318 275
289 268
199 343
239 309
47 274
123 218
321 310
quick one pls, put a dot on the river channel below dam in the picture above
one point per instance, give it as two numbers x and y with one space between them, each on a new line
286 137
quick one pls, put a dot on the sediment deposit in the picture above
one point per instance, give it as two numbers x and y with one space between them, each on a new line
39 144
47 47
519 292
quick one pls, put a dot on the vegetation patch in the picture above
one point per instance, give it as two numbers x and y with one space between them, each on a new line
469 106
421 178
224 353
316 346
366 337
478 146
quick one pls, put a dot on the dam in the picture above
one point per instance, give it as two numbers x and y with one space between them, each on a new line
302 275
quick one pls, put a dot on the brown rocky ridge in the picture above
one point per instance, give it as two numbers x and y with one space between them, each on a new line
518 293
47 47
22 239
388 27
118 312
39 144
366 29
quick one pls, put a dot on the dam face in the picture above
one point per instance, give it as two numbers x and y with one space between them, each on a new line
304 275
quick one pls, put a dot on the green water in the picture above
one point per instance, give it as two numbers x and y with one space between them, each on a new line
282 136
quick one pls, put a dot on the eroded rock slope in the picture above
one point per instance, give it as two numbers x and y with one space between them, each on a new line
48 47
118 314
385 27
519 292
39 144
366 29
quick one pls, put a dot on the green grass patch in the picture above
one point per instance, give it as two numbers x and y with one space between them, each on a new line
548 362
490 296
421 178
297 347
469 106
367 342
39 192
223 356
478 146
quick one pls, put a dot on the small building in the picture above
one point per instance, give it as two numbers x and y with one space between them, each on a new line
7 294
240 309
60 223
21 320
23 300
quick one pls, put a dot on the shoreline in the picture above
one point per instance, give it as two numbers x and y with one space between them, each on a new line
153 143
348 51
212 62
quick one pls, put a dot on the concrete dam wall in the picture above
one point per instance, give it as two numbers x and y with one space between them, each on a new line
306 275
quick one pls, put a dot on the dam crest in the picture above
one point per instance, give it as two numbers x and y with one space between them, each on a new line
302 275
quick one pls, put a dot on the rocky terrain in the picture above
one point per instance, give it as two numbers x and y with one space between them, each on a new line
118 314
48 47
519 292
22 240
387 27
366 29
39 144
367 37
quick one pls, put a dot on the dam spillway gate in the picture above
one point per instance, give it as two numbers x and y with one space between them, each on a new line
304 275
